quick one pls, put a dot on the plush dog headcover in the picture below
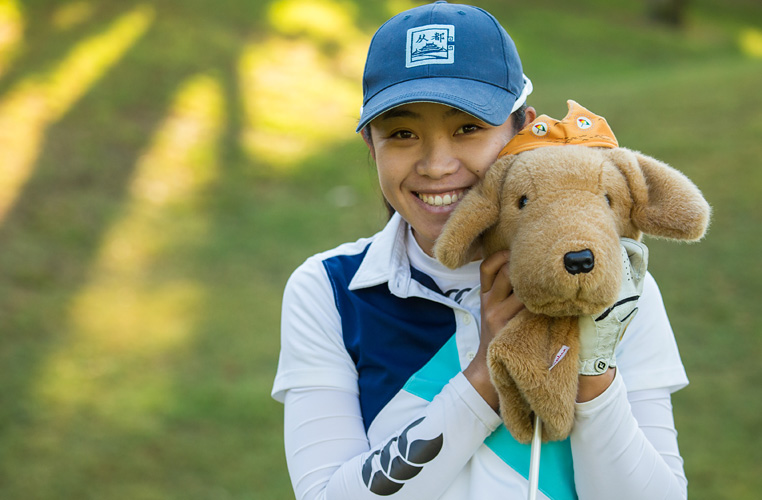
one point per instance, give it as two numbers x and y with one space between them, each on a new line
543 203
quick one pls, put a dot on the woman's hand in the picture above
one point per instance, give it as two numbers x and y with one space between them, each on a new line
498 305
601 333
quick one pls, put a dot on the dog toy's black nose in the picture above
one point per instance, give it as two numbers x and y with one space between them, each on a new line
579 262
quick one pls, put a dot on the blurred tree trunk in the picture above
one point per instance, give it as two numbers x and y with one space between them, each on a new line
671 12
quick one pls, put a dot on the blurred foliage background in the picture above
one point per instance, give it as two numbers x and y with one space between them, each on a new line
165 165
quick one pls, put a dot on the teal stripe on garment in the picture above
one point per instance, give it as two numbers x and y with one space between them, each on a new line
556 470
429 380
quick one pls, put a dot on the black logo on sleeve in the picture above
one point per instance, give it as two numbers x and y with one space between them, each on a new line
386 470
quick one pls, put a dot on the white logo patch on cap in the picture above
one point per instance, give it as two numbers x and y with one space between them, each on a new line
430 44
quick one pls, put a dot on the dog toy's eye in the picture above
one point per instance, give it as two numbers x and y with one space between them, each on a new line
523 202
608 199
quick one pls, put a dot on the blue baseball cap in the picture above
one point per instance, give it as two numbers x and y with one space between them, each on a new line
451 54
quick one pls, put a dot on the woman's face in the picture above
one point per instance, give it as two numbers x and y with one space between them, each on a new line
428 156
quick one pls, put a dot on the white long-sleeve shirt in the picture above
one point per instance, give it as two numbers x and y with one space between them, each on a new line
376 404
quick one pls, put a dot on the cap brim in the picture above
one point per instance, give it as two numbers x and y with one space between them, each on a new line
486 102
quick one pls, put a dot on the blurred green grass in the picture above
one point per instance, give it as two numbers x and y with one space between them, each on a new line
166 165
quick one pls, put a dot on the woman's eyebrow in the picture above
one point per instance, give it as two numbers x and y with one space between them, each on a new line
453 112
402 112
399 113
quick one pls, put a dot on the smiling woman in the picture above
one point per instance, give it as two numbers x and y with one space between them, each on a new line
384 349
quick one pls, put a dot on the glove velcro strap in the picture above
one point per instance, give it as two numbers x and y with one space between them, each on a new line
595 366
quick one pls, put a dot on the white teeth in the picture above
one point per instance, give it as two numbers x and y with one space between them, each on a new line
439 200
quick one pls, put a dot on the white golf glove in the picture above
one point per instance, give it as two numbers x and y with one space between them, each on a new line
600 334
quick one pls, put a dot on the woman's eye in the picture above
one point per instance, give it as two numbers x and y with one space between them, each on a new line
523 202
403 134
467 129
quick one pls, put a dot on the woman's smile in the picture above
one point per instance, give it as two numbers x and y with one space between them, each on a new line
442 199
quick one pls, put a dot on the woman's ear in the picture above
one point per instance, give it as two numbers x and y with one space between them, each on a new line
529 115
365 133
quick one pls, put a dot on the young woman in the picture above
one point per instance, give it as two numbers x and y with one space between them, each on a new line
383 362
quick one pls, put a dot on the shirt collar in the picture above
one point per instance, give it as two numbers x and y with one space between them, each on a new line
386 260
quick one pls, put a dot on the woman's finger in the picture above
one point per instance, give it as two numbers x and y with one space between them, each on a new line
501 285
490 268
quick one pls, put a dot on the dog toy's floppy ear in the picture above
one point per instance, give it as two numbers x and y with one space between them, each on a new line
477 211
666 203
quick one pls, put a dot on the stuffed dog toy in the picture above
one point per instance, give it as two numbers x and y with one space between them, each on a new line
561 198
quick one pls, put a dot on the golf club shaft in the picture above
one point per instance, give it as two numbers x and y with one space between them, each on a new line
534 460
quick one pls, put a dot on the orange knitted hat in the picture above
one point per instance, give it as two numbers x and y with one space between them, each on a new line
580 126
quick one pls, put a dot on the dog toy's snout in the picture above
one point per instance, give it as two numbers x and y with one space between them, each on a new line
582 261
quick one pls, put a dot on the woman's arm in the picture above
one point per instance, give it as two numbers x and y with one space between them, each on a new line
329 457
328 452
625 446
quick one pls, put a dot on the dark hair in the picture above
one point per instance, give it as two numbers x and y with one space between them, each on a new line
518 117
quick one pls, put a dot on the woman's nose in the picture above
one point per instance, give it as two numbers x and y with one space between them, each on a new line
438 159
